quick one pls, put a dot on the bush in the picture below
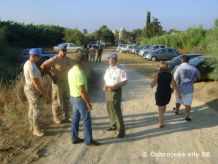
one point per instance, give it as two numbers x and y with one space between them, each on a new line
212 50
183 41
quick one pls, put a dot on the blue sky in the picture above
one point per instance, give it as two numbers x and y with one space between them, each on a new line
130 14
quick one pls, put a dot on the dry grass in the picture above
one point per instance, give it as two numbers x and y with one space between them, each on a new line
207 92
148 68
14 126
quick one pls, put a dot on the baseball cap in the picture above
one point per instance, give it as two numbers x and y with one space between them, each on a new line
114 56
62 47
35 52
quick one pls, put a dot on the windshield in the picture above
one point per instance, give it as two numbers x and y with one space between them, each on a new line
177 59
196 61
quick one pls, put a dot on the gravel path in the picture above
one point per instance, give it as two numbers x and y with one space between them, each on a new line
178 142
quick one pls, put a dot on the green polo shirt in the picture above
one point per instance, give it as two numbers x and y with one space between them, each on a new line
76 78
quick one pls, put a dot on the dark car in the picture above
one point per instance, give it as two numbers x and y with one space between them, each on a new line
203 67
177 60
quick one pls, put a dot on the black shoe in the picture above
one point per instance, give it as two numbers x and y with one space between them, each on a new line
93 143
120 135
175 111
188 119
78 141
111 129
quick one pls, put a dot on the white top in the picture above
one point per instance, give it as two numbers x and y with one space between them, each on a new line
31 71
114 76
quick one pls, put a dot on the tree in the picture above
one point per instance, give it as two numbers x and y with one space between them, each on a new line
74 36
155 28
148 25
85 31
136 34
104 34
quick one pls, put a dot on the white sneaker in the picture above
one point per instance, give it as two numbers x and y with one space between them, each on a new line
38 133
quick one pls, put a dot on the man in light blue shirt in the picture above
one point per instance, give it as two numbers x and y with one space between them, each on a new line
185 76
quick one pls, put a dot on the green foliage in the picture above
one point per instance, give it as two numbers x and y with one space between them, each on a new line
74 36
103 33
21 35
180 40
152 28
212 50
9 58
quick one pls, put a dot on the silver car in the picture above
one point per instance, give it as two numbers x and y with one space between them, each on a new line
145 51
161 54
71 47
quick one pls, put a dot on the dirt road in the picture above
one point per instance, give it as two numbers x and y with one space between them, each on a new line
178 142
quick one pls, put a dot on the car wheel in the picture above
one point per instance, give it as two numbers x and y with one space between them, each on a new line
153 58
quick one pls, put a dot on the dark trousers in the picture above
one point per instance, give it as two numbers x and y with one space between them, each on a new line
98 58
113 100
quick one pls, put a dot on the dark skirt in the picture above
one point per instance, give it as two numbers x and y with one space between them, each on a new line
162 99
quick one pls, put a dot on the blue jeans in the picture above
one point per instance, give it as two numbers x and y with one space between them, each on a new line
80 109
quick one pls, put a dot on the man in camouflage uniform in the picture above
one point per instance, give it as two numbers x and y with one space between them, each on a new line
34 90
57 67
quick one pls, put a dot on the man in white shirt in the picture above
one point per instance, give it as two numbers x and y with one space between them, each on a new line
34 89
115 78
185 76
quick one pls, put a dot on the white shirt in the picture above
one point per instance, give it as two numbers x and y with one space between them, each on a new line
114 75
31 71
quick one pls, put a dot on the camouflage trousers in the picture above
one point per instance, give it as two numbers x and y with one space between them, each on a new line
60 100
34 106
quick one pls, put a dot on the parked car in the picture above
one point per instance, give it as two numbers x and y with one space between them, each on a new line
96 44
161 54
145 51
136 49
203 67
177 60
101 43
127 48
120 46
71 47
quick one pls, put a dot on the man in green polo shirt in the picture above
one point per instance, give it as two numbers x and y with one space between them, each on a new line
80 102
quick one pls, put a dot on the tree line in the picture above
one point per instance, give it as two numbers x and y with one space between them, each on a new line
17 36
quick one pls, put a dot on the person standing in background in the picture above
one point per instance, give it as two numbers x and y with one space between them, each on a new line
99 54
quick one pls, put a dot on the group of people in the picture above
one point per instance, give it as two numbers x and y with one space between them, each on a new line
93 51
181 82
69 84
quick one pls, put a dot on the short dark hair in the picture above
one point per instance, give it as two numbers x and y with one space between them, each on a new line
184 59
